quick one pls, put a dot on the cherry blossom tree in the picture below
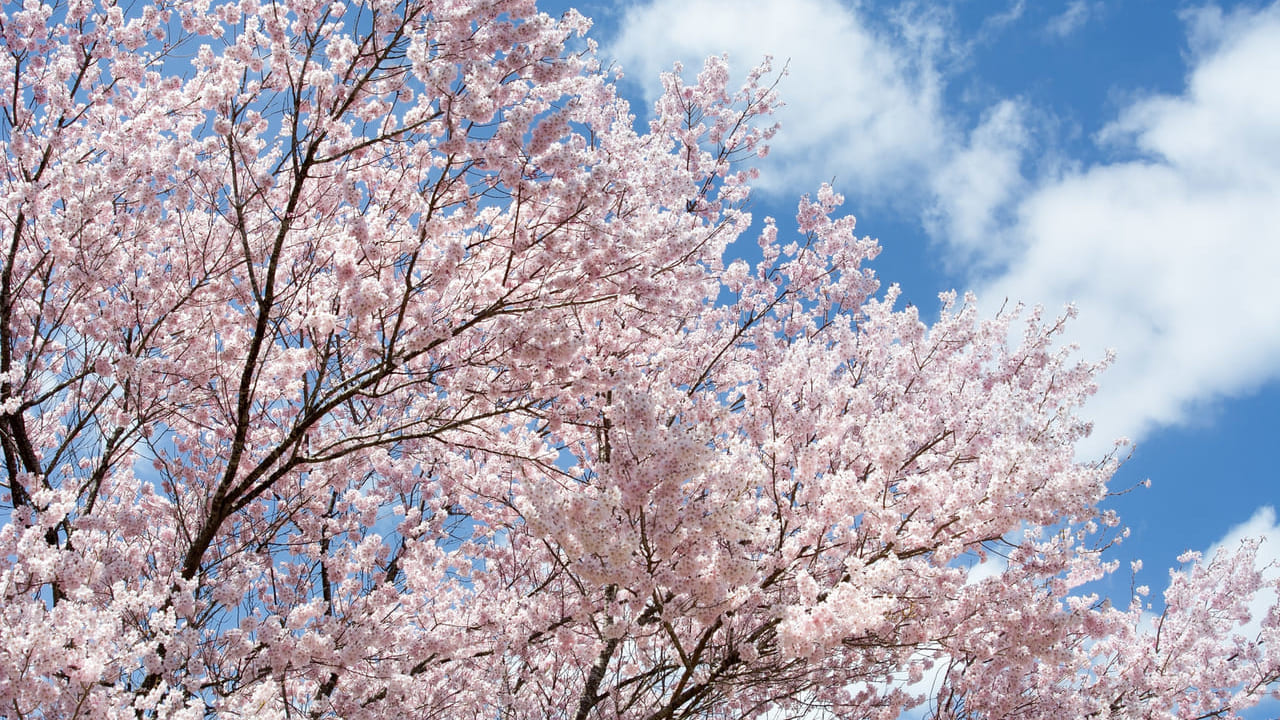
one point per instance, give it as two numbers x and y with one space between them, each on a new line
363 360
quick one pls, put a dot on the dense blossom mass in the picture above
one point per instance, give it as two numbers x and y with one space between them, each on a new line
363 360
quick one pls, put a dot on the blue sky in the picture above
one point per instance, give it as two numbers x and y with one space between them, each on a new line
1124 156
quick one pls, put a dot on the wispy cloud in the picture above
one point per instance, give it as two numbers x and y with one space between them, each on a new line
993 24
1071 19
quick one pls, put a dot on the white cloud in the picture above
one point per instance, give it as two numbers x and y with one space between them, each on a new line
976 184
1071 19
860 107
1172 257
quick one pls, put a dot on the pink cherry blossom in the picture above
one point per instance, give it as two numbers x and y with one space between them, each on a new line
363 360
